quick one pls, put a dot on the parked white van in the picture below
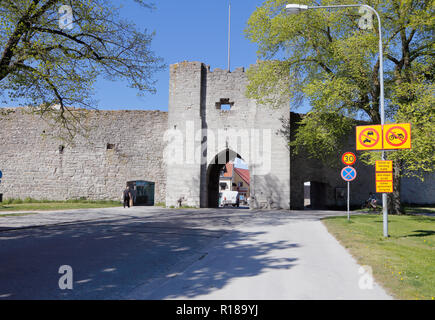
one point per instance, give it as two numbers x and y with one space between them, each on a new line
227 197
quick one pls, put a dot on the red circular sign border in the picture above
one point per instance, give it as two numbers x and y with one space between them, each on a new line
346 168
351 153
404 140
377 140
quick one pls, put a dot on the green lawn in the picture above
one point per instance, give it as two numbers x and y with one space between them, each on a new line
61 205
404 263
408 209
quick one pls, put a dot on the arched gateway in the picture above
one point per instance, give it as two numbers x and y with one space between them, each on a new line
211 121
213 174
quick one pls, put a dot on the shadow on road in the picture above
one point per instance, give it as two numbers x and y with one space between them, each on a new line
247 259
110 259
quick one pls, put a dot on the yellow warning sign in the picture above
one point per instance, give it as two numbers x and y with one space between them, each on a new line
384 176
397 136
369 137
384 186
384 166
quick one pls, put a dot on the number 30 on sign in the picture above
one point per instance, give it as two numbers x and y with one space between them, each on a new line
348 158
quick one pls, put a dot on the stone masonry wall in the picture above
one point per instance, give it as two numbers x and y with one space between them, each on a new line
329 190
34 166
415 191
203 131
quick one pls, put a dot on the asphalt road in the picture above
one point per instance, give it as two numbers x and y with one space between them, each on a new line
156 253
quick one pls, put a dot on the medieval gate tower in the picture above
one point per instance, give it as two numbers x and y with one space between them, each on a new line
211 122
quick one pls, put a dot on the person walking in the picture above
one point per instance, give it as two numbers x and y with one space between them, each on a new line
127 196
372 201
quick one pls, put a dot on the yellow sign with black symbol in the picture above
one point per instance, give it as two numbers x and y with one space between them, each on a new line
369 137
397 136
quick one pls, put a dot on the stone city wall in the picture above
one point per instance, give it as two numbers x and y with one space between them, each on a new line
121 146
329 190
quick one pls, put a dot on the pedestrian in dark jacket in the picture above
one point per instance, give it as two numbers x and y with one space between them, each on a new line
127 196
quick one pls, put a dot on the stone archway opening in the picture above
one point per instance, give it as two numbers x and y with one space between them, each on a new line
217 181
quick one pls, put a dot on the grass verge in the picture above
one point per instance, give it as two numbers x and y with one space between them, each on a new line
404 263
55 205
18 214
408 209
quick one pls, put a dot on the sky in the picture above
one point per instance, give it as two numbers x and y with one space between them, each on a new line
189 30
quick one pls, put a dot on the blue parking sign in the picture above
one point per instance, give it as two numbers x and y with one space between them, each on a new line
348 173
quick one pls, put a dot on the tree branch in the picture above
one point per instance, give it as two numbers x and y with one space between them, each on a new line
74 38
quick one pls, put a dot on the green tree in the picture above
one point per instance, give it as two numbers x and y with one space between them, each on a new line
44 62
323 56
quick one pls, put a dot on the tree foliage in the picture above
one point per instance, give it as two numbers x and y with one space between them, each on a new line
43 64
323 56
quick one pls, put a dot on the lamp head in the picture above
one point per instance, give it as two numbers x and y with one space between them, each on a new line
295 8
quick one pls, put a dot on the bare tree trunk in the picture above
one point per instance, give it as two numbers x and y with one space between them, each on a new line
394 203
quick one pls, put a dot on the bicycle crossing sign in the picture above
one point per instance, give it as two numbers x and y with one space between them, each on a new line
369 137
348 173
397 136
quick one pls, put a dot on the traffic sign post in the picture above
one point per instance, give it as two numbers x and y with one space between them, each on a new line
384 137
348 174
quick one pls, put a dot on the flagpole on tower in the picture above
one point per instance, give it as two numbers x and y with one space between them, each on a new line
229 33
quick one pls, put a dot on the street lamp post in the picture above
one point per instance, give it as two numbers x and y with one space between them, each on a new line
297 8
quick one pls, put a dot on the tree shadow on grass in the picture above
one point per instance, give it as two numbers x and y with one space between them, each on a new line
422 233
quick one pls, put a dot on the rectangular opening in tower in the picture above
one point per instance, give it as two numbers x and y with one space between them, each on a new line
224 104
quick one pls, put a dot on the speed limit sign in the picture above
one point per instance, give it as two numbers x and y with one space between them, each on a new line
348 158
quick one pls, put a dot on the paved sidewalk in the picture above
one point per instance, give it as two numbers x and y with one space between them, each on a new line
295 260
